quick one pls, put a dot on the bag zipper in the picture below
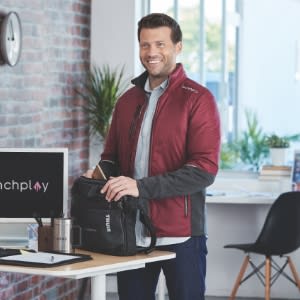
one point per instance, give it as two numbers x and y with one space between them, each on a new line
125 247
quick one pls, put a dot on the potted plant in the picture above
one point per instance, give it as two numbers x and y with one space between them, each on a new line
101 89
278 146
250 147
274 141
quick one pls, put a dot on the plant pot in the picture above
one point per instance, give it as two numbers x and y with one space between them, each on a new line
278 156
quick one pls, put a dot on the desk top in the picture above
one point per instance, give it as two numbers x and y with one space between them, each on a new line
99 265
243 188
242 198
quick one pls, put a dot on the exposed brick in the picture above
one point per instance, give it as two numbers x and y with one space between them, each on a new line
40 107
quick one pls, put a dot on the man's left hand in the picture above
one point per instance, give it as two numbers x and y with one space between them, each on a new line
117 187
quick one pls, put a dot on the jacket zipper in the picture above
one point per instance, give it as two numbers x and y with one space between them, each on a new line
132 131
151 133
186 206
134 121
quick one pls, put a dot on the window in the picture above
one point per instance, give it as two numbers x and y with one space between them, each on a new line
210 41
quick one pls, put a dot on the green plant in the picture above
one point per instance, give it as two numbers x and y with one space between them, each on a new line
275 141
101 89
251 147
228 156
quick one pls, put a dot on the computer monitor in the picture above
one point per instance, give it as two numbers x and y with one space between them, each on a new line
33 183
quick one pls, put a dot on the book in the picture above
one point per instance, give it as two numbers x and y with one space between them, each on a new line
273 177
276 170
273 167
296 169
105 169
98 173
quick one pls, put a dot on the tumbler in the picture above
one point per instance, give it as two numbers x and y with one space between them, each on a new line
62 240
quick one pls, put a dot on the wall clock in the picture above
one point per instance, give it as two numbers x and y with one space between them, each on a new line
11 38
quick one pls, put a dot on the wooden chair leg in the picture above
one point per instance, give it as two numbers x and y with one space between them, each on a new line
239 278
294 272
267 278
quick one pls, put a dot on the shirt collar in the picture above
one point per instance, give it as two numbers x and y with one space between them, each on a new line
162 86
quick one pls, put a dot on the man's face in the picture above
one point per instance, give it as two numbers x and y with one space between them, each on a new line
158 53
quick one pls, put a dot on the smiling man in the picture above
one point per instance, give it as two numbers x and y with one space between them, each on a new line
165 138
158 53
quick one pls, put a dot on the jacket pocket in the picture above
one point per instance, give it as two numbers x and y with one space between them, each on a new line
171 217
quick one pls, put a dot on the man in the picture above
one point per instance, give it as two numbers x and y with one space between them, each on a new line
165 137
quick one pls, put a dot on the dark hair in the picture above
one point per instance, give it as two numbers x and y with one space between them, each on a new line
155 20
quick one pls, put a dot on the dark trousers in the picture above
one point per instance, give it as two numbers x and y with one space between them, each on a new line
185 275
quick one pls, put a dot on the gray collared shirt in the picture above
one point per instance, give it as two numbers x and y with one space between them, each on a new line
141 164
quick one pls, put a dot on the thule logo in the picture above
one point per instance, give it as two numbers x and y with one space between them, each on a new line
107 223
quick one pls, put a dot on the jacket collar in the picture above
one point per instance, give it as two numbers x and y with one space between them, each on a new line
176 76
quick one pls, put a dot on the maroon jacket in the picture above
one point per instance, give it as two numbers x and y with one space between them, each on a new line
184 151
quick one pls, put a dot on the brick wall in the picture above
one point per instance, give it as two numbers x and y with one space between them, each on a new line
39 107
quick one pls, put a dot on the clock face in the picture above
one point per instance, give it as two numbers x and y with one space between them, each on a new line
11 38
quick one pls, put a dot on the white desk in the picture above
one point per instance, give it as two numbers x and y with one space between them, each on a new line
238 188
243 198
97 269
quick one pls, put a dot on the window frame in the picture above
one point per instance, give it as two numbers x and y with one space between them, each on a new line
230 130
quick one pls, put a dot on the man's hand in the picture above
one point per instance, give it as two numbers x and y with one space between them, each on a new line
88 173
117 187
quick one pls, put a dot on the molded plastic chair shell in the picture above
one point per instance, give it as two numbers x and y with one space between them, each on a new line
281 231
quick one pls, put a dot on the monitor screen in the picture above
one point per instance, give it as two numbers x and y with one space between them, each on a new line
33 182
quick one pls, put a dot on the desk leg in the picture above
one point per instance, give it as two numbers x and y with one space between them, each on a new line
98 287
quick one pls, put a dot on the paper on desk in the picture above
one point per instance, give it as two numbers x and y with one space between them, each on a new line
261 194
40 257
240 193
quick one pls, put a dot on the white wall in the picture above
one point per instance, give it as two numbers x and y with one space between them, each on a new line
113 36
270 29
114 42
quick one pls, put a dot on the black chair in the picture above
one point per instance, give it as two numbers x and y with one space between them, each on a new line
279 236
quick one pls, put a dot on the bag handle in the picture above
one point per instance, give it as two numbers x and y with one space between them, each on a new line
149 226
